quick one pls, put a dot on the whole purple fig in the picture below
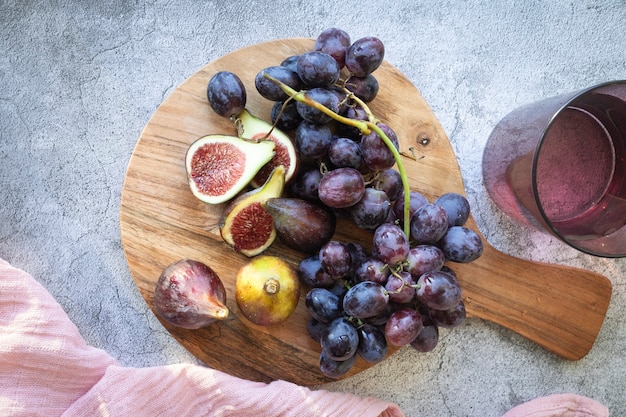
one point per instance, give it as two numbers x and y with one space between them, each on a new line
189 294
302 225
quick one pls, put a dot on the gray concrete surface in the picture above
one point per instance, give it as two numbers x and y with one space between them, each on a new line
79 80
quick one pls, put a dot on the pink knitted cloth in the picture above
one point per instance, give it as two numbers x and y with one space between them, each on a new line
47 369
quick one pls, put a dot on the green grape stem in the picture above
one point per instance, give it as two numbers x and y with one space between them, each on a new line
366 127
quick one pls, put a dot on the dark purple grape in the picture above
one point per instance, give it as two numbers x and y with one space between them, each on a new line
372 343
352 112
364 56
344 152
376 154
372 269
357 255
416 200
285 115
389 181
438 290
427 339
456 206
305 184
271 91
341 340
401 287
316 329
335 369
317 69
291 62
403 326
312 273
341 187
325 97
312 139
450 318
335 259
339 288
461 244
372 210
424 258
365 88
226 94
428 224
323 305
365 299
390 244
334 42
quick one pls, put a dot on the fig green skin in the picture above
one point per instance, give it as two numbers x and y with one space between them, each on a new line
267 290
189 294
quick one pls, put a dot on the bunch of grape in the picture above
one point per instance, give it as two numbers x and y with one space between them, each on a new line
402 291
400 294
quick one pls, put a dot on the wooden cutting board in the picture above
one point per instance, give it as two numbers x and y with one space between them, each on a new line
560 308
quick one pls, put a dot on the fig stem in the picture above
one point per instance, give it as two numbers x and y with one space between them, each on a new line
366 127
271 286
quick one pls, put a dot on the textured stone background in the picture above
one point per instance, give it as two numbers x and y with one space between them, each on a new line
79 80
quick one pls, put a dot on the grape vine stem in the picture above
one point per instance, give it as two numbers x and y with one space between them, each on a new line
366 127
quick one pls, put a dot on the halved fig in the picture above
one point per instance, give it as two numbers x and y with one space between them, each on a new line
220 166
246 225
254 128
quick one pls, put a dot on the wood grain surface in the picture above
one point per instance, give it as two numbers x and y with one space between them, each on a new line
560 308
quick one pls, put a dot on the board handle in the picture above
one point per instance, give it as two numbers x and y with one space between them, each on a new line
558 307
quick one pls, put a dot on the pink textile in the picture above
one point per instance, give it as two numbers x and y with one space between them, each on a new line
559 405
47 369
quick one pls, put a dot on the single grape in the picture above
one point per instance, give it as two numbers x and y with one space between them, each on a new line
372 269
316 329
401 287
335 259
285 115
352 112
365 88
365 55
335 42
389 181
317 69
450 318
305 184
357 255
376 154
226 94
312 273
438 290
403 326
340 341
424 258
390 244
271 91
427 339
372 210
429 224
312 139
324 96
291 62
365 299
456 206
323 305
341 187
461 244
373 346
344 152
335 369
416 200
